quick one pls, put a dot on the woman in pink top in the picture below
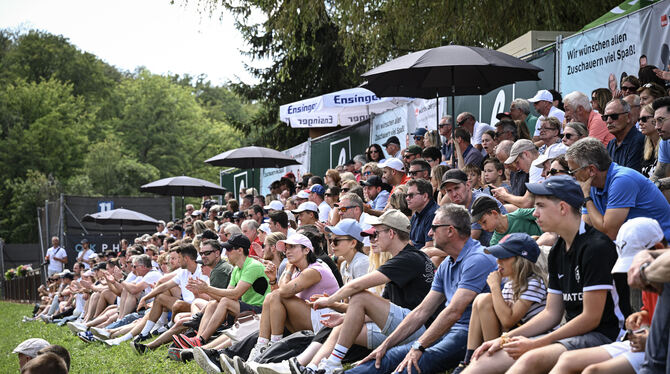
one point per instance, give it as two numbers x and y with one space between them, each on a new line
286 307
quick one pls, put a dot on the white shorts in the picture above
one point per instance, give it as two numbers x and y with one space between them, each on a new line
635 359
315 316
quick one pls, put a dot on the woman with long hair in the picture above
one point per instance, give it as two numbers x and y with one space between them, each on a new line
489 144
599 99
524 295
493 175
332 178
374 153
651 140
432 139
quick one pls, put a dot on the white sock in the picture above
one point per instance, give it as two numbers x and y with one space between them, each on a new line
170 324
126 337
313 367
338 353
147 327
276 338
162 319
262 342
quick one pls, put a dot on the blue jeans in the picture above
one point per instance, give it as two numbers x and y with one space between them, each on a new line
126 320
445 354
656 358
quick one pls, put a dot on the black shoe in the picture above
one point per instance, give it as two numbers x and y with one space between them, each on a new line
186 355
194 322
461 366
139 347
208 359
141 338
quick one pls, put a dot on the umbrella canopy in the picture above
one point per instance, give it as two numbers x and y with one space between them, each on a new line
447 71
119 217
183 186
341 108
252 157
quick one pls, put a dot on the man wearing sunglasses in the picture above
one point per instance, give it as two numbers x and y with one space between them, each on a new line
627 147
578 109
418 136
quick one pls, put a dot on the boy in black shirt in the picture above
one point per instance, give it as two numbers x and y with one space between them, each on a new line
580 284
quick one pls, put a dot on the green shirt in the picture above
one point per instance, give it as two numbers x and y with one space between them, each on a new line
220 274
531 120
520 220
251 271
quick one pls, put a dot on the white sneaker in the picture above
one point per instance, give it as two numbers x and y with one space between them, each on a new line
256 351
101 333
76 327
330 367
227 364
274 368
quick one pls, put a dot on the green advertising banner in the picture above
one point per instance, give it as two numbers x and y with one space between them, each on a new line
236 179
336 148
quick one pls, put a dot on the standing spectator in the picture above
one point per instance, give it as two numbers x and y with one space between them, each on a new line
86 254
626 149
543 101
56 257
578 108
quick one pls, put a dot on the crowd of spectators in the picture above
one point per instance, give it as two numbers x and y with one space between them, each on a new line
535 245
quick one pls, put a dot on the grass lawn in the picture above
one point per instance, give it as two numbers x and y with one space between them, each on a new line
86 358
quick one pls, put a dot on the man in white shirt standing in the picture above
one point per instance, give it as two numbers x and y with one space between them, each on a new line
56 257
85 254
543 101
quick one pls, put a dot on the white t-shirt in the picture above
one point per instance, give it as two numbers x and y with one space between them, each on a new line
535 175
324 211
89 252
553 112
181 279
54 253
150 279
365 226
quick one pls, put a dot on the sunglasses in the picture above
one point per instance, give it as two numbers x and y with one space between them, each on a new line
376 234
628 88
644 119
408 156
568 135
367 173
615 116
435 227
345 208
335 242
373 151
553 172
443 125
418 137
415 172
206 253
411 195
346 189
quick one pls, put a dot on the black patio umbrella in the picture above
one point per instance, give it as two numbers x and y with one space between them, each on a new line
183 186
448 71
120 217
252 157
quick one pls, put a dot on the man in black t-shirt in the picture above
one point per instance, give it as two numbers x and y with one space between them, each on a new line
580 284
408 276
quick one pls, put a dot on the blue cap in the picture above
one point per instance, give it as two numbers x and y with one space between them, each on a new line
420 131
318 189
517 244
347 227
563 187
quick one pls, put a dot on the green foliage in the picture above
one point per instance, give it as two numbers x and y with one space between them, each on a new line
69 120
85 358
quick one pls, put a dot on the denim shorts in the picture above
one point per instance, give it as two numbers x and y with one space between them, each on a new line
396 314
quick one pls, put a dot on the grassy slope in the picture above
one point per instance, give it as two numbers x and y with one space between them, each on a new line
86 358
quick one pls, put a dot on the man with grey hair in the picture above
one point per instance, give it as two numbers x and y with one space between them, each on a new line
457 282
614 193
468 121
506 130
627 147
351 206
578 109
635 108
250 230
519 110
444 127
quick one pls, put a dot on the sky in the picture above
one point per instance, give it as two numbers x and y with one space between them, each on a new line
162 37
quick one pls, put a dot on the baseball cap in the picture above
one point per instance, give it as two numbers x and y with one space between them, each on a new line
420 131
161 222
84 241
347 227
372 180
369 232
414 149
31 346
392 218
274 205
265 227
516 244
551 153
563 187
635 235
295 239
237 241
481 206
392 163
502 115
542 95
391 140
303 194
454 176
519 147
289 175
350 162
307 205
318 189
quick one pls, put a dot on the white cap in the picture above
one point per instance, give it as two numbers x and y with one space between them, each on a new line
542 95
303 194
265 227
635 235
31 346
392 163
274 205
550 153
295 239
307 205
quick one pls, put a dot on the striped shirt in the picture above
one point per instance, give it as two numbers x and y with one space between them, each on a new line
536 293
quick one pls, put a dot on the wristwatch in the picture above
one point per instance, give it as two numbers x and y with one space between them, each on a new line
643 276
587 199
658 184
417 345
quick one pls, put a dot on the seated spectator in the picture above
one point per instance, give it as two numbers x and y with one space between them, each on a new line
58 350
376 195
316 195
651 140
407 275
574 131
629 85
467 154
550 133
650 92
419 169
486 212
420 201
580 284
436 174
543 101
370 169
661 177
444 128
521 157
432 139
392 146
578 108
506 130
46 363
522 296
394 172
519 110
627 146
489 144
307 213
468 122
418 136
600 97
626 356
28 349
493 176
332 178
375 153
474 174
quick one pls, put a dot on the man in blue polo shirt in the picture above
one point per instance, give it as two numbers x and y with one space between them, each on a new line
457 281
613 193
